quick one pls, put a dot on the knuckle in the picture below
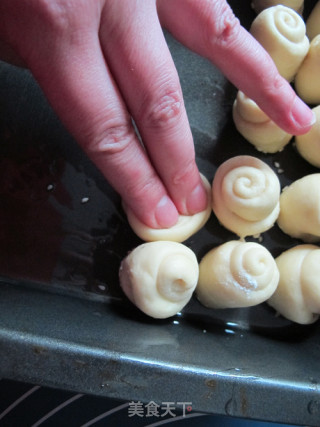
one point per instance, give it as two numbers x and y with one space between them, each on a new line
223 26
60 16
55 14
110 140
166 111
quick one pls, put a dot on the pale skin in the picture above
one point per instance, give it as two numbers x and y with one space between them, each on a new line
102 62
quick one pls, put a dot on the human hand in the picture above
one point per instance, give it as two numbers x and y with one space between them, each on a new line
101 62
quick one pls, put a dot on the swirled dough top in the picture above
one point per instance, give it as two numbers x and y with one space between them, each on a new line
282 32
300 209
237 274
297 296
186 226
159 277
245 195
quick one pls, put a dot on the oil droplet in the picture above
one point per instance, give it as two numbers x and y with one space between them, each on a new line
232 324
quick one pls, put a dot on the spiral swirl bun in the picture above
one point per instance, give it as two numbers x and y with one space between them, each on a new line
282 32
246 195
256 127
237 274
300 209
297 296
159 277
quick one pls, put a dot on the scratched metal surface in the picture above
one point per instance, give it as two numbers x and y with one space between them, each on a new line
63 319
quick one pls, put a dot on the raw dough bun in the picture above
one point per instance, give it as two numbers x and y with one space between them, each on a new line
313 22
297 296
308 145
256 127
181 231
282 32
259 5
300 209
246 195
237 274
307 81
159 277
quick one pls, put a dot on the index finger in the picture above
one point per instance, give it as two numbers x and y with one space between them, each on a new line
210 28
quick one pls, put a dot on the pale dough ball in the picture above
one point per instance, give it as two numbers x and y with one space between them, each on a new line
256 127
259 5
181 231
308 145
159 277
237 274
245 195
300 209
313 22
282 32
297 296
307 80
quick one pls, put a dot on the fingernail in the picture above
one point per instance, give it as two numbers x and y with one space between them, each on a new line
197 200
302 114
166 213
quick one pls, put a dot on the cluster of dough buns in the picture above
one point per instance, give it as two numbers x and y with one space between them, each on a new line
160 276
295 48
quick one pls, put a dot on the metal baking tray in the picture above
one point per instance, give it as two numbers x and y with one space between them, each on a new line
65 323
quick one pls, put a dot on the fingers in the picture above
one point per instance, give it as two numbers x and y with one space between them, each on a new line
74 73
80 87
149 83
210 28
